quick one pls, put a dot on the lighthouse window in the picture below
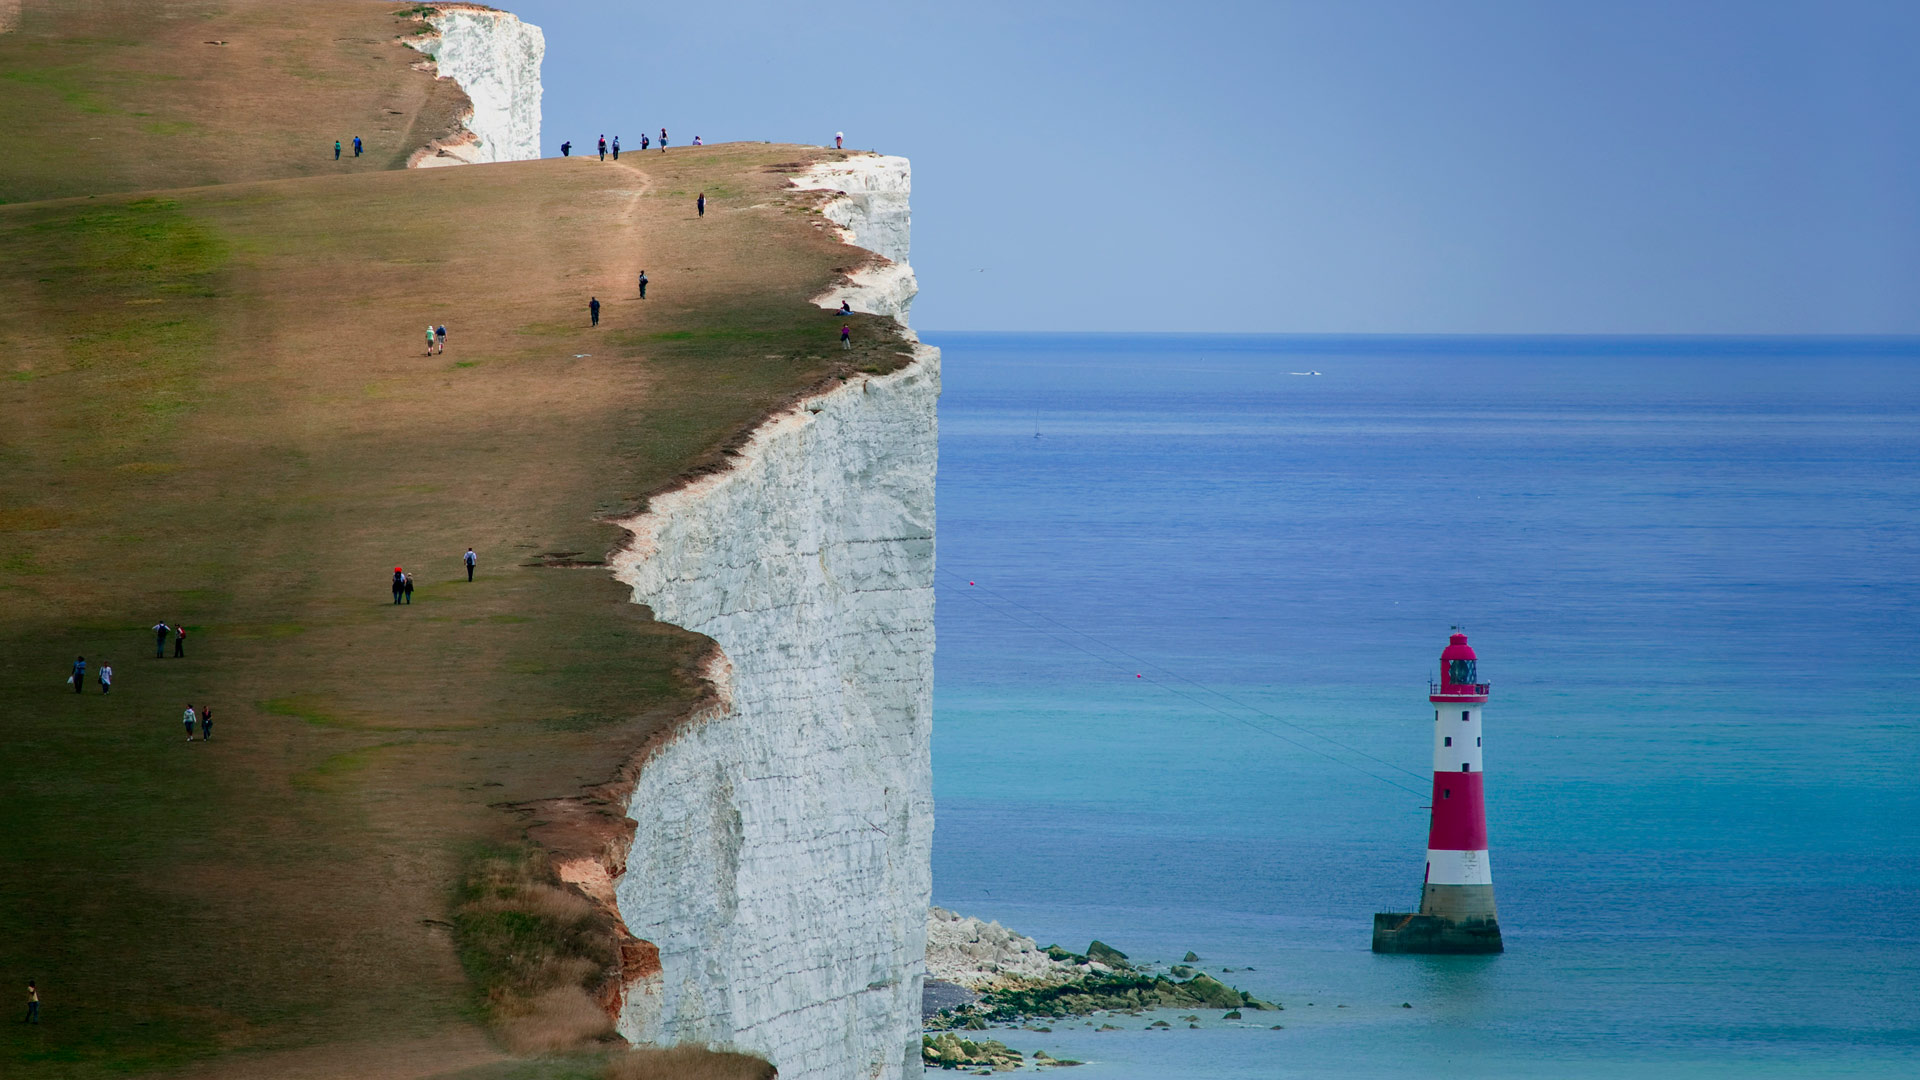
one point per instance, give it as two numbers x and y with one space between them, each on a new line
1446 793
1449 740
1476 740
1465 715
1463 767
1460 672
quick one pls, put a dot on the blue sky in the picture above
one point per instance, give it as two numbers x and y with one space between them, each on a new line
1394 167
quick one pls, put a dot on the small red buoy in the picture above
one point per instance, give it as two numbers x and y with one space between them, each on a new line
1137 675
969 582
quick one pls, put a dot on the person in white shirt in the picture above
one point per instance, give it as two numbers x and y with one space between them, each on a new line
106 677
471 558
188 718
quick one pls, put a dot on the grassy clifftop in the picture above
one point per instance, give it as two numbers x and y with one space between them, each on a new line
130 95
215 409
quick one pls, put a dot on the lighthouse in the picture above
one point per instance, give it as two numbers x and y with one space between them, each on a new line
1456 896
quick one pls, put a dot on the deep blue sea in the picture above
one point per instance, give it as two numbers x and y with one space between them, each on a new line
1183 703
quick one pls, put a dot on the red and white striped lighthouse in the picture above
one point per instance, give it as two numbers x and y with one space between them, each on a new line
1456 897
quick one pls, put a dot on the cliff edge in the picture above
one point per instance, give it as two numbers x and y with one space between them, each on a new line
781 859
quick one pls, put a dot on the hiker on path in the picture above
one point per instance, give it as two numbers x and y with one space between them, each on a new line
566 149
603 148
336 149
79 677
643 284
663 140
399 581
837 137
846 336
593 309
616 148
356 146
179 640
701 204
187 718
440 337
33 1004
407 588
471 559
645 141
160 630
106 677
206 723
429 339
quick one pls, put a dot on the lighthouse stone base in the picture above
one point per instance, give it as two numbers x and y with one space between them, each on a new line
1400 932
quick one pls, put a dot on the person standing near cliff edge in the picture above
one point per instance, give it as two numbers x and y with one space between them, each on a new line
838 138
701 204
593 310
663 140
179 640
566 149
336 149
160 640
33 1004
603 148
471 559
643 284
356 146
846 336
616 148
79 679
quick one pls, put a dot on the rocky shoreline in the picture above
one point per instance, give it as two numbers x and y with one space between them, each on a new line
981 975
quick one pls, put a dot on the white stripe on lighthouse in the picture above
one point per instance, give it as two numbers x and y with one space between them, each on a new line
1458 868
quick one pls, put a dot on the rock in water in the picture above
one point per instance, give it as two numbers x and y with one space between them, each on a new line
1101 953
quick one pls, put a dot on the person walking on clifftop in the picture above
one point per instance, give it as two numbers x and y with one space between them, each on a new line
846 336
700 204
356 146
106 677
336 149
643 284
399 582
187 718
160 630
566 149
179 640
33 1004
616 148
471 559
79 679
663 140
603 148
593 310
406 588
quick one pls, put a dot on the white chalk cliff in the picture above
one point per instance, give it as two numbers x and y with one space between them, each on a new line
496 60
871 208
781 859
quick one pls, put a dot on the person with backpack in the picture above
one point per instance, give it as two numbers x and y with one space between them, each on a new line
160 630
645 141
179 640
603 148
471 559
399 582
616 148
440 337
566 149
643 284
79 676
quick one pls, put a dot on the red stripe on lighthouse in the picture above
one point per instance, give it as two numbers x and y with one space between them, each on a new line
1459 813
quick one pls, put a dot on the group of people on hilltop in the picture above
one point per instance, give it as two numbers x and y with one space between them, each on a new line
605 147
403 581
358 146
104 673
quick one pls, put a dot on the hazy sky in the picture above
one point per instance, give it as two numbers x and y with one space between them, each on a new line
1418 166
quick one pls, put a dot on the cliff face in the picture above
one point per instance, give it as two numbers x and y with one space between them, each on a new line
871 207
496 59
781 857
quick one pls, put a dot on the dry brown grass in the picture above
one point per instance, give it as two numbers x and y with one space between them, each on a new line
687 1063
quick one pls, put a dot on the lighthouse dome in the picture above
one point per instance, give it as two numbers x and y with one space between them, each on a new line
1458 665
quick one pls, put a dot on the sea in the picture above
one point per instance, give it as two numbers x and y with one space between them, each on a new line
1192 589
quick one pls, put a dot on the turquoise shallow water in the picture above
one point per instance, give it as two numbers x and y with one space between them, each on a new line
1689 569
